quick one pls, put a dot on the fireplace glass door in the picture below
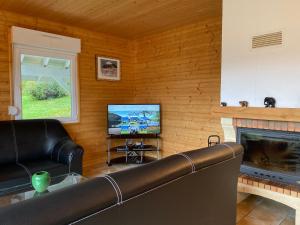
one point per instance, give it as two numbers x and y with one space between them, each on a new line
277 152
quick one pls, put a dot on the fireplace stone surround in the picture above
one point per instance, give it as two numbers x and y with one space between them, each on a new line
285 194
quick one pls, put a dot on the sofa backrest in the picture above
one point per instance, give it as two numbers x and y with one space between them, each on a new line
7 151
196 188
22 140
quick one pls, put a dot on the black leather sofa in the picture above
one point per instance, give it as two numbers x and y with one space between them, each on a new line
28 146
194 188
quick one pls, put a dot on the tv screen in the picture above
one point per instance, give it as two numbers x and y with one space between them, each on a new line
133 119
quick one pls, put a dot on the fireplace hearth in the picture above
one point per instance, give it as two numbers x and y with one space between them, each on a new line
271 154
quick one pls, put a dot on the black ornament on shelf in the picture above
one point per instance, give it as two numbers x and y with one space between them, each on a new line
269 102
223 104
244 103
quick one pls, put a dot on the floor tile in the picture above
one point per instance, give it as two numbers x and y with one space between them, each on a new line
256 210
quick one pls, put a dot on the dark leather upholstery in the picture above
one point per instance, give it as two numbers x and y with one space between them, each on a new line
195 188
28 146
8 154
47 165
12 174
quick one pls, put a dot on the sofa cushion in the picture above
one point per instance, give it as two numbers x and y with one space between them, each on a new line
19 174
52 167
55 133
31 138
7 144
12 175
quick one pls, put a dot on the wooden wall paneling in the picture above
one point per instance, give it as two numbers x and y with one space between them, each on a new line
180 69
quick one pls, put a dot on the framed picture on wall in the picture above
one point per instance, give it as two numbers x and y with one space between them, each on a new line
107 68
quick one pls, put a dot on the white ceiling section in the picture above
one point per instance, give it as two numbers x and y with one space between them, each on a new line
45 40
270 71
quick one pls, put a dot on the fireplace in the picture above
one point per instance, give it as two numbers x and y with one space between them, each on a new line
271 154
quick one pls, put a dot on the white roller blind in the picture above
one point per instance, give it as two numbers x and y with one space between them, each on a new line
45 40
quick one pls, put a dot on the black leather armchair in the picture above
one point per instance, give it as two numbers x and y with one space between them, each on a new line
194 188
28 146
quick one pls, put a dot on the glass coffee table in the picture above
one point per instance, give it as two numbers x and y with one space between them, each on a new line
23 192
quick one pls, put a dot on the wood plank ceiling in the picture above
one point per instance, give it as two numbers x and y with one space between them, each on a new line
124 18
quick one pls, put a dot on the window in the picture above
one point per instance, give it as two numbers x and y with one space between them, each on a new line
45 83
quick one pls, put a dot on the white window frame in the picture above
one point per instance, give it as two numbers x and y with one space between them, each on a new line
18 50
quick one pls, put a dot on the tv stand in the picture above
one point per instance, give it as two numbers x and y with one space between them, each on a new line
132 148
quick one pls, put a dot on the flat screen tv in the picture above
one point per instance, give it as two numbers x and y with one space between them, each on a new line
133 119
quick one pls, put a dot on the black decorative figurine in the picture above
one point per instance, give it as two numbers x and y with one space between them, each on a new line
269 102
223 104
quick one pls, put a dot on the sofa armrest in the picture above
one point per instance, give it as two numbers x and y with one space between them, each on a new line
68 153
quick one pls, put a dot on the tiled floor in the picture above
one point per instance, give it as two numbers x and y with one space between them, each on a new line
260 211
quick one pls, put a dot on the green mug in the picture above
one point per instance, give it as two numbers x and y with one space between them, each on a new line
40 181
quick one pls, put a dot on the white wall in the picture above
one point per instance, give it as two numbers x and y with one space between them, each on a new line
253 74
